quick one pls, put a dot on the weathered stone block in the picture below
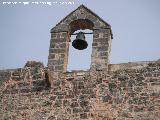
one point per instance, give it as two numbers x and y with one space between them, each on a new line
95 44
46 103
56 62
53 98
60 68
83 116
58 103
56 50
25 90
106 98
101 40
74 104
84 103
77 110
87 91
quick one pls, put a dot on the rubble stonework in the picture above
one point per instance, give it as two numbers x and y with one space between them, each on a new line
131 94
129 91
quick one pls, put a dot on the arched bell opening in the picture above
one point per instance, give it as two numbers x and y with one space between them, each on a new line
80 48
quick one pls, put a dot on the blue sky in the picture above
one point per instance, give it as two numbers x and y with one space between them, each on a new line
25 30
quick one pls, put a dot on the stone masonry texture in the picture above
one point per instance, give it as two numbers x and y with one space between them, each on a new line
124 94
129 91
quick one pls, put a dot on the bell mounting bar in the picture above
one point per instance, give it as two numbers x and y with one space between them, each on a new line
83 33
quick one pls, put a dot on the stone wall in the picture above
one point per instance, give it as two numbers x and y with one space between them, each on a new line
58 52
128 94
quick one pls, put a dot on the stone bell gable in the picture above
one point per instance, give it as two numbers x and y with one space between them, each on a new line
81 18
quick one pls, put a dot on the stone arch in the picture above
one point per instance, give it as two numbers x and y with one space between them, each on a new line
80 24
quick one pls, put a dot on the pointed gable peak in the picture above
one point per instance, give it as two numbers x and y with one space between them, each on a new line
84 7
81 13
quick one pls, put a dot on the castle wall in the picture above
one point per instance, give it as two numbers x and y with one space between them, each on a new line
131 94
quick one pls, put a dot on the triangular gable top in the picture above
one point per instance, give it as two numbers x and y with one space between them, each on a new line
68 19
83 6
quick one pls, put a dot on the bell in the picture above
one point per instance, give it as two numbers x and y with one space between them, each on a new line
80 42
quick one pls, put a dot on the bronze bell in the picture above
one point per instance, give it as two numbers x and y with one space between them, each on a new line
80 42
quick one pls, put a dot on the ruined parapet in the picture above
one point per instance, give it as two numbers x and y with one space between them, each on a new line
34 64
30 78
124 94
131 65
